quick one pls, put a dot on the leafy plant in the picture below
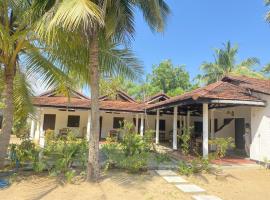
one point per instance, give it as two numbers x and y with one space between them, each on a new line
69 175
132 143
162 157
222 145
134 163
185 169
62 153
130 153
49 136
185 140
26 153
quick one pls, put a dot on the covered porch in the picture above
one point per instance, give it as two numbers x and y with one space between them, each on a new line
217 110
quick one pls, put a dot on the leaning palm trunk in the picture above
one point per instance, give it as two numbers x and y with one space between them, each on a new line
93 158
8 117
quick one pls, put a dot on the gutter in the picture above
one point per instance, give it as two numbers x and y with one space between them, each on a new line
255 103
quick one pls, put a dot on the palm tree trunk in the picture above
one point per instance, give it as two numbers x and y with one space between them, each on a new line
93 158
7 117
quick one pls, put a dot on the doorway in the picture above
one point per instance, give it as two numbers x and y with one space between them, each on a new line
239 133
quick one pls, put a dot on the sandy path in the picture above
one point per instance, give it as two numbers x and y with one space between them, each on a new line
246 184
115 186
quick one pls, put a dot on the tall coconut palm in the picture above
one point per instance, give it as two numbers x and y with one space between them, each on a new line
20 50
117 25
225 64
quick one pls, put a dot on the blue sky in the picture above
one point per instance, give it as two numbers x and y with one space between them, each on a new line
196 27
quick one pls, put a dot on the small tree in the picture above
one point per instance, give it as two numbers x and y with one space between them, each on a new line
185 140
222 145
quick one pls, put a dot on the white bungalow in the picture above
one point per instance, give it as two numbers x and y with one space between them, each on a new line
227 108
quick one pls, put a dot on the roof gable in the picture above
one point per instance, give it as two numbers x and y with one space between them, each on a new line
157 98
72 94
118 96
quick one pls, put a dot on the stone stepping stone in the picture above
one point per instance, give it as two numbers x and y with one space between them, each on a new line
174 179
205 197
189 188
166 173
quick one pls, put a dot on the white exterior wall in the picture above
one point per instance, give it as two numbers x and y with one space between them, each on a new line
107 122
260 131
221 114
62 119
239 112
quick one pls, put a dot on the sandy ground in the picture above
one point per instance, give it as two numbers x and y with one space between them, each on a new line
246 184
114 186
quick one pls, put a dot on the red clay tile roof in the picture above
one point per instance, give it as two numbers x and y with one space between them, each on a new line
219 90
64 102
229 88
254 84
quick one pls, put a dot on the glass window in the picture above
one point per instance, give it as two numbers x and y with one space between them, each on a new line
73 121
118 122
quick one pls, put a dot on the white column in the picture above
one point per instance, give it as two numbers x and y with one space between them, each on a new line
32 130
37 131
175 128
212 128
157 126
41 131
142 124
137 123
205 130
188 119
88 128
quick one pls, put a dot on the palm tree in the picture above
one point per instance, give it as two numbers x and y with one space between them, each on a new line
102 22
225 64
21 54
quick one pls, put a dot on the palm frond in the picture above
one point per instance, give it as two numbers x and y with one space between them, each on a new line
115 61
155 13
72 14
250 62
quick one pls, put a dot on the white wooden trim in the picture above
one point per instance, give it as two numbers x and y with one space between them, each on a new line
157 126
255 103
175 128
205 130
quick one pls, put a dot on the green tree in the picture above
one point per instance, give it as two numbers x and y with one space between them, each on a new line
167 78
21 53
225 64
103 23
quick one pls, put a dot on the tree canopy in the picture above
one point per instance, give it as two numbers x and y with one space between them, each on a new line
165 77
168 78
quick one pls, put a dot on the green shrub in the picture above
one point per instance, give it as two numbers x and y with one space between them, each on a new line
185 169
26 153
62 153
113 152
149 139
49 136
130 153
132 143
134 163
185 140
69 175
162 158
222 145
195 166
